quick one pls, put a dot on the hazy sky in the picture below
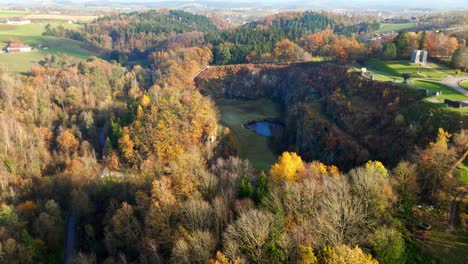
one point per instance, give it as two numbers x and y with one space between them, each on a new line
302 4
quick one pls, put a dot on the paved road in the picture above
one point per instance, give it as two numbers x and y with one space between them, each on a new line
452 82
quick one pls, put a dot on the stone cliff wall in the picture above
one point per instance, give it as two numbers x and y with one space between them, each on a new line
333 115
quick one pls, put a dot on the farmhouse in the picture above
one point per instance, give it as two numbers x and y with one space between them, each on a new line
13 48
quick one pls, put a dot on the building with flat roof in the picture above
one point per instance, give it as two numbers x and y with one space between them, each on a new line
18 22
13 48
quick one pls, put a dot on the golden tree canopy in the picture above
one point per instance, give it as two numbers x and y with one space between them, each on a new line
287 168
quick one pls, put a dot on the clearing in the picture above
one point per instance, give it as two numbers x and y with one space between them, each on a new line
251 146
31 34
389 27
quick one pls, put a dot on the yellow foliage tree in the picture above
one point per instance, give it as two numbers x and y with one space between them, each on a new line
67 141
288 167
139 112
376 165
333 170
145 101
221 259
306 255
442 138
126 146
343 254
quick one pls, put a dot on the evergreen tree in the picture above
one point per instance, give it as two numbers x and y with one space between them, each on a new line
422 41
261 190
389 52
457 57
245 189
401 42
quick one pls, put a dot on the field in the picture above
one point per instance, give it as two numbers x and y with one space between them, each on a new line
396 68
464 85
235 113
447 92
31 34
4 14
7 14
394 27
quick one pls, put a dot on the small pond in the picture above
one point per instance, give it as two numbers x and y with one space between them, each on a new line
266 128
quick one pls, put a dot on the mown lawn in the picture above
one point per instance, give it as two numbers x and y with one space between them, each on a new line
447 92
251 146
464 85
396 68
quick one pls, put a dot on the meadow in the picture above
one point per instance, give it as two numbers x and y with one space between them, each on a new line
389 27
31 34
8 14
251 146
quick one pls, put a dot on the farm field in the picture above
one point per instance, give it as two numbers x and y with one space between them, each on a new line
389 27
31 34
4 14
7 14
234 113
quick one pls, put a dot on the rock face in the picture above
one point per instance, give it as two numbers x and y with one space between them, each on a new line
332 114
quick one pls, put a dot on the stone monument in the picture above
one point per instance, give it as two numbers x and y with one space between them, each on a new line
419 56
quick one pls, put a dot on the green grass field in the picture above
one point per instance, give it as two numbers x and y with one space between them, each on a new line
394 27
234 113
31 34
464 85
396 68
12 13
447 92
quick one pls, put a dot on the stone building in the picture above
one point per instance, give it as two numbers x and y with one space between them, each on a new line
419 56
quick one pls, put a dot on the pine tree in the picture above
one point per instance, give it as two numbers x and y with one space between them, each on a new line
261 190
245 189
457 57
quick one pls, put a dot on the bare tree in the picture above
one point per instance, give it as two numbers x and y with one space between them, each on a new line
196 214
249 234
341 218
197 248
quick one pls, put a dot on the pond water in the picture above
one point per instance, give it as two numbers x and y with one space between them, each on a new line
266 128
